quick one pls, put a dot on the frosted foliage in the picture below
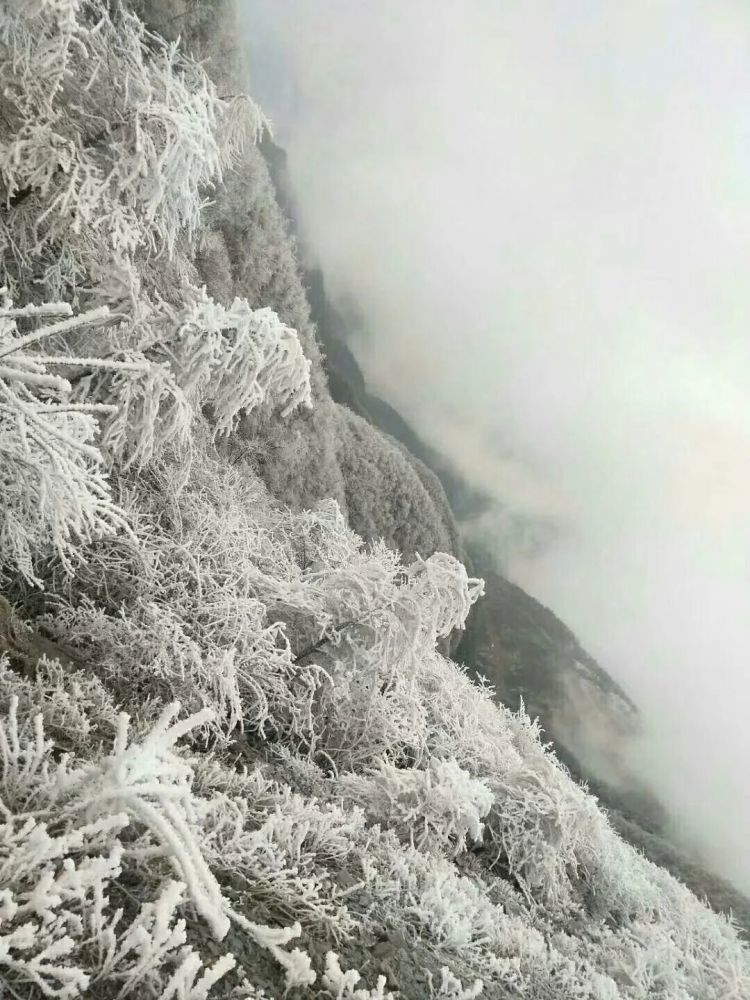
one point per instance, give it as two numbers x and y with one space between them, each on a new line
438 806
58 864
451 987
261 359
391 766
217 590
233 360
54 493
275 840
343 985
110 135
77 710
441 582
59 927
111 138
151 784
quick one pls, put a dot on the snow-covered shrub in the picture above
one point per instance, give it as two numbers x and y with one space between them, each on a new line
232 360
53 494
280 850
76 708
262 360
110 137
238 575
451 987
61 856
209 555
439 806
343 985
74 833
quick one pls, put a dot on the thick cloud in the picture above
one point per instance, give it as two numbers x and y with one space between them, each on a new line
543 210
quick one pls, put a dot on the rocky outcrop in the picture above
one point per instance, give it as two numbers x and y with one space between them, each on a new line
530 656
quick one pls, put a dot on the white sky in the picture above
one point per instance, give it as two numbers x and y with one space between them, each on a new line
543 209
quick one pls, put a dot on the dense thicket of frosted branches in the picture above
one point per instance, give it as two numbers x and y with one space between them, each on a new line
233 762
110 141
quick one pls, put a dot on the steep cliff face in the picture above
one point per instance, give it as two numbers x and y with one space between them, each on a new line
529 655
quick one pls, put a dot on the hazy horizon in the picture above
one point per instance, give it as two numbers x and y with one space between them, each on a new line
541 209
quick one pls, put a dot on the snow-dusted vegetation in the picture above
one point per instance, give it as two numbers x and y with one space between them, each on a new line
233 762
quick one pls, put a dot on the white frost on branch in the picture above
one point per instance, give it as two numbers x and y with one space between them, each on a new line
445 591
53 492
343 985
62 857
112 140
438 807
111 136
152 785
232 360
236 358
451 988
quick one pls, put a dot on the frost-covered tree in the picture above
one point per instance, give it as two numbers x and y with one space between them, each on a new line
69 835
111 139
54 492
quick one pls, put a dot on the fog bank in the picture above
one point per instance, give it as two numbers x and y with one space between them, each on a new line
542 210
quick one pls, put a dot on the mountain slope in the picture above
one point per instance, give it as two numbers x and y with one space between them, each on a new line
233 761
